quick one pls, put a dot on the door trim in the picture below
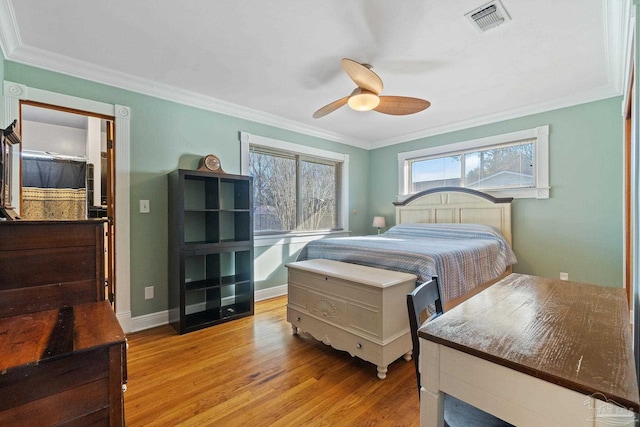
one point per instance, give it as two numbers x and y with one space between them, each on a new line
14 93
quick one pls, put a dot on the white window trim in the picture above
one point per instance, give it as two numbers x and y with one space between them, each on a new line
541 134
299 237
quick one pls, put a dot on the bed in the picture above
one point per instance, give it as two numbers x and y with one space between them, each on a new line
350 292
461 235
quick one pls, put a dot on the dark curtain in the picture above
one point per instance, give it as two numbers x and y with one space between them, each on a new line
52 173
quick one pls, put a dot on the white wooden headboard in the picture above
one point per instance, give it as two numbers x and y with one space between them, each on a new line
456 205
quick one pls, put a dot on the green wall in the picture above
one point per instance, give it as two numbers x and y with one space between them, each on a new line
2 125
577 230
166 136
269 262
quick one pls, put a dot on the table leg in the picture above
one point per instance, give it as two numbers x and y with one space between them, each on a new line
431 409
431 398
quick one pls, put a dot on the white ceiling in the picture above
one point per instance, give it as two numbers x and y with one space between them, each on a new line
278 61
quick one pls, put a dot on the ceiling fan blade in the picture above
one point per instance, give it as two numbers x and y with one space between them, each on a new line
362 76
401 105
329 108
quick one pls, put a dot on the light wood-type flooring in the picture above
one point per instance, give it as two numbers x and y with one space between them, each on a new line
255 372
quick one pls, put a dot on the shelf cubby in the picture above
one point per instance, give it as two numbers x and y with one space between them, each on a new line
210 248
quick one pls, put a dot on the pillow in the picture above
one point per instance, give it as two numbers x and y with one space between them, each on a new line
448 231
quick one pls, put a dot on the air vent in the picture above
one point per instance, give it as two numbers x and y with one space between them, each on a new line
488 16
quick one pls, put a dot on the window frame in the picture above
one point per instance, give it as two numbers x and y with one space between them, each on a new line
304 153
540 135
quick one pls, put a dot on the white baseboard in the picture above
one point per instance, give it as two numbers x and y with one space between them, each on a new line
276 291
124 318
147 321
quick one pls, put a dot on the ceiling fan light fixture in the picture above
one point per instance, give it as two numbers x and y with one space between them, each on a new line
365 97
363 100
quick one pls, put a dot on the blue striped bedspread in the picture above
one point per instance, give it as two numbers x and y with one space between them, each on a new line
463 256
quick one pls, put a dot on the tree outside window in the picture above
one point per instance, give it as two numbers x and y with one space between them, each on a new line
293 193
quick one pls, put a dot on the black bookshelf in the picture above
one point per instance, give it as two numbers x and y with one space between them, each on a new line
210 249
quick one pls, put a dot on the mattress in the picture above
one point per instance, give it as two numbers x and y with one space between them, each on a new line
463 256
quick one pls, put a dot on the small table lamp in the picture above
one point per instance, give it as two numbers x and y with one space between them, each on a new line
378 221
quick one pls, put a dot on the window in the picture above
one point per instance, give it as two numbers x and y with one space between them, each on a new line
498 167
513 165
295 188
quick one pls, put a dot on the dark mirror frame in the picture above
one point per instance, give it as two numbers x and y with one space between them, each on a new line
8 138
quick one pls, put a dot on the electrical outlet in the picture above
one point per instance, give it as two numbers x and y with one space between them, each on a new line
148 292
564 276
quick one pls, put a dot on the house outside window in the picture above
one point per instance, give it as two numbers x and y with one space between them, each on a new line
509 165
297 189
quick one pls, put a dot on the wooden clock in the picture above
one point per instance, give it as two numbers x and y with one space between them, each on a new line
210 163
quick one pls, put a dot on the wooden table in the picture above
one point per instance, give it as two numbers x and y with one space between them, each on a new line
533 351
60 366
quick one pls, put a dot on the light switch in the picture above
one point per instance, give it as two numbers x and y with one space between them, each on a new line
144 206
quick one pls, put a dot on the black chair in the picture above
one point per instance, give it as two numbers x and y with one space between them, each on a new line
424 304
418 302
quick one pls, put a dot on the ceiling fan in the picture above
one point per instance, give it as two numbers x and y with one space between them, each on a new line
366 96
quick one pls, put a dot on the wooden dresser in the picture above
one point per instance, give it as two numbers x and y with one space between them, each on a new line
62 366
50 264
359 309
62 350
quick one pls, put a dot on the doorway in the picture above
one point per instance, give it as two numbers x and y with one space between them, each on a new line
67 171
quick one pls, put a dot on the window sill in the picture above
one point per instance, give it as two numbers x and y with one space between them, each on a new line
301 237
521 193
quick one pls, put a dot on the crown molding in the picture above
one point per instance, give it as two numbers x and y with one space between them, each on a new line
617 28
9 36
617 23
618 32
628 54
61 64
597 94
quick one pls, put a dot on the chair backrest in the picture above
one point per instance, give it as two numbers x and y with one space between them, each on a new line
422 297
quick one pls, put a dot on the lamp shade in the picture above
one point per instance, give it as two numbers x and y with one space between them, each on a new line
378 221
363 100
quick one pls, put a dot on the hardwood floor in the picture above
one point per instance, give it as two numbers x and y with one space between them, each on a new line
255 372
